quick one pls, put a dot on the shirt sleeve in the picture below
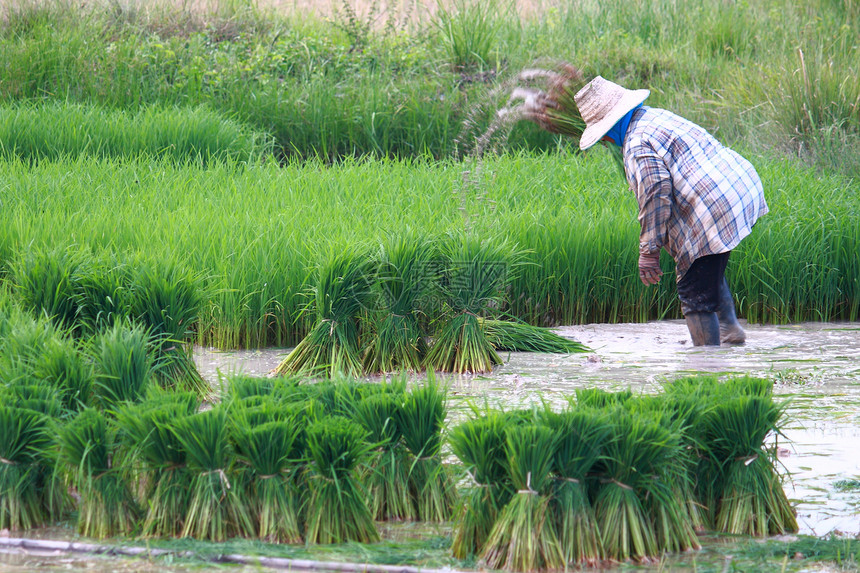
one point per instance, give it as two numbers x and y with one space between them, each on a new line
652 183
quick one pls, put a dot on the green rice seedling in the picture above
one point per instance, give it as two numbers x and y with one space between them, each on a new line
106 507
24 340
474 277
101 294
65 367
166 299
582 435
749 495
342 293
601 399
337 509
506 335
44 282
386 477
630 470
421 419
122 364
479 443
216 510
403 277
24 436
270 452
524 536
554 108
149 430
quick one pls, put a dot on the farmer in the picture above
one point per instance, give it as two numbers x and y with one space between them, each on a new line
697 199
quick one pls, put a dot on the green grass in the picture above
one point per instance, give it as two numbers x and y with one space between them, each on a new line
256 234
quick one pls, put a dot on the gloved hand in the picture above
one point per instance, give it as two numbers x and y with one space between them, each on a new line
649 268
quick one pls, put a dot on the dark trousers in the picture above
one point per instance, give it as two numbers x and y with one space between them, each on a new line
699 288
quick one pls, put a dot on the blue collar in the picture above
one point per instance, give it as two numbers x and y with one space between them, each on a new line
619 130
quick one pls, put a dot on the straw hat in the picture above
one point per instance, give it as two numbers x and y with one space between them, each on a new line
601 104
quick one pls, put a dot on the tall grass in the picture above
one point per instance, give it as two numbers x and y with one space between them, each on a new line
347 87
571 216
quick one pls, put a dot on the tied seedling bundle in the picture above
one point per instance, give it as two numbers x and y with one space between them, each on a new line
421 419
166 300
524 536
749 493
122 363
87 447
269 450
479 444
630 474
403 275
387 473
24 438
216 510
342 293
582 434
337 510
150 430
506 335
472 285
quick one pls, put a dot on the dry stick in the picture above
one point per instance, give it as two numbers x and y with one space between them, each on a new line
273 562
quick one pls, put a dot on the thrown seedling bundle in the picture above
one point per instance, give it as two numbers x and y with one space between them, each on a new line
524 536
23 439
122 363
342 292
87 447
508 335
337 508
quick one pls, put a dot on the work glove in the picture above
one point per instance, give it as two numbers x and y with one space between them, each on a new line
649 268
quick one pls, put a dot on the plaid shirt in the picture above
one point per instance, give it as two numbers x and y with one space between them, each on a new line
695 196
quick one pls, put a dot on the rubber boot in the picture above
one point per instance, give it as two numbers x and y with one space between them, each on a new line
730 329
704 328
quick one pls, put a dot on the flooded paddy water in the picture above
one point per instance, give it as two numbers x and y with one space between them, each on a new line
814 365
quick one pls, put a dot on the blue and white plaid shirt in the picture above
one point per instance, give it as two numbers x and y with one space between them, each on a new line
695 196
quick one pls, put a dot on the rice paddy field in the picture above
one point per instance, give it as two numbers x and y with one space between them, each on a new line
277 281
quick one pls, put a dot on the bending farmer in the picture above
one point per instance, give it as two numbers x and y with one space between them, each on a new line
697 199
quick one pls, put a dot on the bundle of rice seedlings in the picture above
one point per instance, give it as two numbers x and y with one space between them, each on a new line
342 293
512 336
44 282
150 432
387 475
64 366
23 438
474 276
630 474
582 434
166 299
479 443
524 537
106 507
337 510
101 294
420 419
269 450
216 510
122 363
403 275
749 495
553 108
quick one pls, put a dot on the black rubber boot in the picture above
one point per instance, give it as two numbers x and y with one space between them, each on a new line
704 328
730 329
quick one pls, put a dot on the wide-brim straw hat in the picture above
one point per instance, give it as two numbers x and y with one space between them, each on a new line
602 103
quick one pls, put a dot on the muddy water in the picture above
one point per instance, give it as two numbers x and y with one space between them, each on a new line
815 365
